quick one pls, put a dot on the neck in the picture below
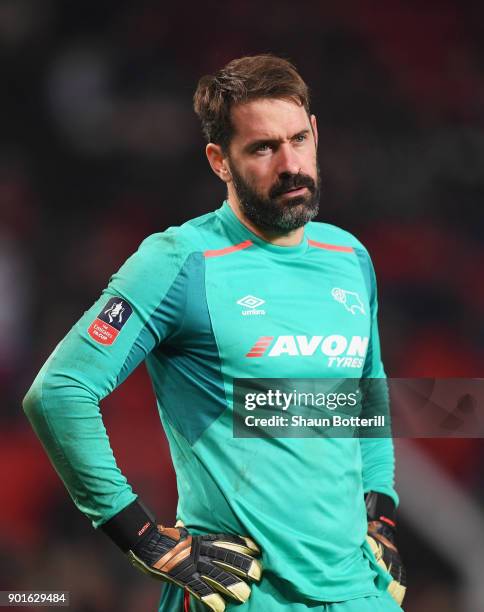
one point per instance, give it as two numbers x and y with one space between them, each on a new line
289 238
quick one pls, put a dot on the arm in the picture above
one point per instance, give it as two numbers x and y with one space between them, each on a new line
143 305
378 462
63 402
377 453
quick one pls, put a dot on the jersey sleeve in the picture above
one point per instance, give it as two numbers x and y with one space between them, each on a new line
137 311
378 458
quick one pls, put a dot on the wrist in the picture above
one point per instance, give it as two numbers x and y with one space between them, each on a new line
131 526
380 507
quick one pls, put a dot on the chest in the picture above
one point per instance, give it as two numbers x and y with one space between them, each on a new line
305 317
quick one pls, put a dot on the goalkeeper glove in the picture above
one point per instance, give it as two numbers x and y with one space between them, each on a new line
380 511
206 566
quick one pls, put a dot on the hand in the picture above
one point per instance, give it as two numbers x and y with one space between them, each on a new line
381 513
381 538
207 566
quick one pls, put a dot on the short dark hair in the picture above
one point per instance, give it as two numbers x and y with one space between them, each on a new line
241 80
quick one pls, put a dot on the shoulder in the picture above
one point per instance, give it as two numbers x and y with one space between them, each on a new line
334 236
159 260
181 241
163 255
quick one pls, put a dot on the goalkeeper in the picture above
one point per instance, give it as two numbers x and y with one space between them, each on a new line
294 507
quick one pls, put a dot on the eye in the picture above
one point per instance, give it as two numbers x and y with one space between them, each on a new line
263 147
300 137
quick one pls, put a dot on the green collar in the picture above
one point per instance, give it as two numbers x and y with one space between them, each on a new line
241 233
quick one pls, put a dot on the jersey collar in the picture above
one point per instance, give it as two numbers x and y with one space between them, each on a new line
240 233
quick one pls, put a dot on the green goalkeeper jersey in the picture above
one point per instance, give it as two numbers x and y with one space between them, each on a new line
203 304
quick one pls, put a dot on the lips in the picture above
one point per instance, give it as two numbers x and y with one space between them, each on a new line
294 190
292 184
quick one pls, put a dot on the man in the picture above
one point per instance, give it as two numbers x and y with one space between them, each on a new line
182 298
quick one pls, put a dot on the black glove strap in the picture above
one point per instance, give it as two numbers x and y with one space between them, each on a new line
380 507
130 526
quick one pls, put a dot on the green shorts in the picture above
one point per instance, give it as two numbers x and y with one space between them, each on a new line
265 598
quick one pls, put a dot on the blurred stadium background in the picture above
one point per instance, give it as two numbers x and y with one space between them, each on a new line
100 148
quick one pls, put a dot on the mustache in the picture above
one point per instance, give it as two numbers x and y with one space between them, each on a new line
292 181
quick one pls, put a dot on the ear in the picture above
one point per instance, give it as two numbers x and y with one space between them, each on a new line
315 129
218 162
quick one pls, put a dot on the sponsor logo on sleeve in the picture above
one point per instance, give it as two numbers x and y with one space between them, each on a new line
110 321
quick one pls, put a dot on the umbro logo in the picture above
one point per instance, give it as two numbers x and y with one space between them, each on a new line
251 305
250 301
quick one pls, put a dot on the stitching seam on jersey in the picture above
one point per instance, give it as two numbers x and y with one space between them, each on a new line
219 361
212 328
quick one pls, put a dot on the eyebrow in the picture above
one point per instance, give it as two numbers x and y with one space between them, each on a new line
273 141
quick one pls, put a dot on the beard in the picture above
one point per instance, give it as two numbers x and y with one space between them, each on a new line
273 213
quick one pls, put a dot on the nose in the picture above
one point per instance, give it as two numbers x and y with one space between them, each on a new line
288 161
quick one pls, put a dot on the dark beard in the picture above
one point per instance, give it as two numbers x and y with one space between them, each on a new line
281 216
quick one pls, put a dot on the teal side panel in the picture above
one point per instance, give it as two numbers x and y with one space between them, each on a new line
185 368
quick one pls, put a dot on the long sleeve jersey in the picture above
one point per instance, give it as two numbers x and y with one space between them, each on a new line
193 302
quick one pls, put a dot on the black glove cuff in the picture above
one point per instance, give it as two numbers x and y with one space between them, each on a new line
130 526
380 507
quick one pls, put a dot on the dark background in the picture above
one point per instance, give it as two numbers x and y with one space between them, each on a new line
100 147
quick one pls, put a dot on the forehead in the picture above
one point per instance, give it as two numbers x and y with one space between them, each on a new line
268 118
